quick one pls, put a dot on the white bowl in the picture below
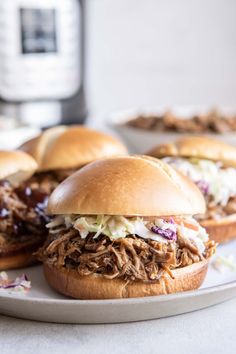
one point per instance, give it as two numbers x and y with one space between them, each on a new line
141 140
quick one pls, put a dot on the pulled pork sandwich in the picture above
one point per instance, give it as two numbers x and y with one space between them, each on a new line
62 150
211 165
22 222
123 227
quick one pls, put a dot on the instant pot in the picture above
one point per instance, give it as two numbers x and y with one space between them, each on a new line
42 61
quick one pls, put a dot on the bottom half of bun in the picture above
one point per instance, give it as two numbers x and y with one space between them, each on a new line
222 230
68 282
19 255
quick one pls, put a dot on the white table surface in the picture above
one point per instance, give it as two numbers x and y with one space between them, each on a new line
212 330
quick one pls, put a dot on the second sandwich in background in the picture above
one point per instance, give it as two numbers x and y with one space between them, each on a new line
211 165
62 150
22 220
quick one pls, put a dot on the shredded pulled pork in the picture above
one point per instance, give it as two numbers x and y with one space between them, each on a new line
20 218
22 209
129 258
47 181
212 122
215 212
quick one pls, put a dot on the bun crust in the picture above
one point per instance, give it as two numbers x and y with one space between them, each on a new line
17 261
130 185
19 255
222 230
199 147
16 166
64 147
69 283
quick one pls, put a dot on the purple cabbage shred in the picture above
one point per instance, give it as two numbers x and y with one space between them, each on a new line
203 186
167 233
17 282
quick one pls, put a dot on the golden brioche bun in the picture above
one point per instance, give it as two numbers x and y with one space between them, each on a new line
19 255
129 185
199 147
68 282
222 230
17 261
16 166
64 147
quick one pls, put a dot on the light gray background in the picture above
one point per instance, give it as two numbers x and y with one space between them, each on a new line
160 52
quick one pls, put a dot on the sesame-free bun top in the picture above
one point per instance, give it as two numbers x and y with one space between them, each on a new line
64 147
129 185
16 166
199 147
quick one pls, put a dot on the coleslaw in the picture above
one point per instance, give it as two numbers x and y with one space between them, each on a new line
210 177
20 285
222 263
163 230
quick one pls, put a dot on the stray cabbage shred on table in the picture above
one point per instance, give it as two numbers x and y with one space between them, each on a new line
20 285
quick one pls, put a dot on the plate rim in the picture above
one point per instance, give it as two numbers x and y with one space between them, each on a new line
136 300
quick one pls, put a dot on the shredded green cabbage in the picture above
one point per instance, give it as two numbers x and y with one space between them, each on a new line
116 227
112 226
221 181
221 263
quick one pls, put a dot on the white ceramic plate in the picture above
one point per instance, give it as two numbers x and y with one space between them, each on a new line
43 304
140 140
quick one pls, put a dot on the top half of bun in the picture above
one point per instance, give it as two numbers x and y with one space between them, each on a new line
16 166
64 147
129 185
199 147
